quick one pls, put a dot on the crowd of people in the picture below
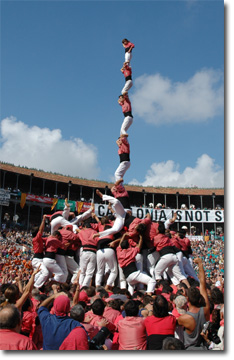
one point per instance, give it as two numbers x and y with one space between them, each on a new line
140 306
112 283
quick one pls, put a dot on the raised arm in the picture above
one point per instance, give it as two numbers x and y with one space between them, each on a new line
203 289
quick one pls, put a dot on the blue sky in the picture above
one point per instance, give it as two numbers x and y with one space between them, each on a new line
60 82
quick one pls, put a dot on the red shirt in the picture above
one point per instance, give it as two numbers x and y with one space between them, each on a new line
126 105
133 234
71 237
52 244
124 147
111 314
164 326
86 237
128 45
127 71
161 241
27 321
175 241
151 232
38 243
119 191
126 256
132 333
11 340
76 340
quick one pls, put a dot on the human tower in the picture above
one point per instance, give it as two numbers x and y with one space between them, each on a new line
125 103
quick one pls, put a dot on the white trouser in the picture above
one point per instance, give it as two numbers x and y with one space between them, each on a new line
81 217
127 86
106 256
169 261
54 268
42 275
120 214
122 280
189 270
58 222
87 267
128 57
138 277
72 267
151 262
121 170
60 259
128 120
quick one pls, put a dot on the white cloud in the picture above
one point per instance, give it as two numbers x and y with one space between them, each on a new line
158 100
205 174
45 149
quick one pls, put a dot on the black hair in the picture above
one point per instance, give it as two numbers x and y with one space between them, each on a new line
217 296
98 307
34 231
124 244
124 40
161 228
131 308
140 228
171 343
194 296
160 306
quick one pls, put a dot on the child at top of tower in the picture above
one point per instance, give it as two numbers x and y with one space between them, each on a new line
128 46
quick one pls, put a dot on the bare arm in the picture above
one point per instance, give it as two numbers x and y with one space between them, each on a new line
20 302
47 301
139 245
42 226
76 295
203 290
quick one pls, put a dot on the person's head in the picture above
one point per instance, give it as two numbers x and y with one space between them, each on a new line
160 306
121 99
114 304
182 233
61 305
90 291
10 318
181 304
124 244
57 235
140 228
171 343
34 231
125 41
98 307
87 224
161 228
104 220
27 306
35 293
216 296
12 294
131 308
147 299
194 296
77 313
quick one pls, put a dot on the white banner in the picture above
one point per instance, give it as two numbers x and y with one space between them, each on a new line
194 216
